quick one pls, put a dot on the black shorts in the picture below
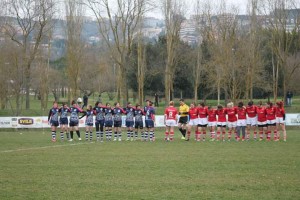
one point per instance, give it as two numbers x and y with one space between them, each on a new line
117 123
202 125
149 123
221 126
271 124
183 120
261 126
63 121
139 125
101 123
108 123
129 124
72 124
54 123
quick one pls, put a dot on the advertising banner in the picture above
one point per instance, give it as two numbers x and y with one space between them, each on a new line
42 122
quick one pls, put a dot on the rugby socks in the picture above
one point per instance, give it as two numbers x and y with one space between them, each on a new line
184 132
136 135
86 135
218 135
107 134
101 135
255 135
261 135
98 135
181 131
62 136
188 134
166 135
275 135
120 136
229 135
268 135
115 135
142 135
110 134
91 136
128 134
151 135
204 135
53 133
197 135
146 135
171 136
71 132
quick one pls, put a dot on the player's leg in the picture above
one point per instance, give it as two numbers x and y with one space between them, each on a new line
218 132
115 132
283 131
91 132
119 129
53 132
86 133
77 132
97 125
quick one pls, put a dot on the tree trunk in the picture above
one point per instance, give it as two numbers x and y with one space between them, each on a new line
27 86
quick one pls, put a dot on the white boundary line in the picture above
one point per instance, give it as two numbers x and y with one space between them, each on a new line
45 147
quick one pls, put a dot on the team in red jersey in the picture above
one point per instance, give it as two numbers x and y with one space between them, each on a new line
221 123
212 121
194 121
171 115
280 120
241 121
251 120
261 120
271 121
202 113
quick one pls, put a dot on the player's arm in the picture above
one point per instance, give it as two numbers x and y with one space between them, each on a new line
84 114
49 115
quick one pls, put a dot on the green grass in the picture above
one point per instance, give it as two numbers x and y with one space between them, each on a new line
139 170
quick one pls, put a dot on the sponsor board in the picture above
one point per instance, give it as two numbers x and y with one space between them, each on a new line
42 122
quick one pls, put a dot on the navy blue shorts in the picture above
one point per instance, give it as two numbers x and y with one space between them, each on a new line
72 123
129 124
108 123
101 123
63 121
139 125
149 123
117 123
54 123
89 124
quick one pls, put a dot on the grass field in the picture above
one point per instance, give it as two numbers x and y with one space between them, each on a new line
32 167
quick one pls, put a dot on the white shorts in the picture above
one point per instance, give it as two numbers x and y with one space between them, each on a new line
279 120
221 123
252 121
231 124
212 123
171 122
271 121
262 123
202 121
194 122
241 122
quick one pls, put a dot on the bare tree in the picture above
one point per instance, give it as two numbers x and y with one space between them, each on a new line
283 21
27 28
173 15
117 27
75 45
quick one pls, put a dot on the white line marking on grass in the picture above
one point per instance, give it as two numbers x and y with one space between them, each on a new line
45 147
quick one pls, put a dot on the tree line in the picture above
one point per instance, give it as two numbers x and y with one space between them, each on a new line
230 60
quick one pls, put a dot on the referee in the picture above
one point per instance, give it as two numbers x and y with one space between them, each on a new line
183 113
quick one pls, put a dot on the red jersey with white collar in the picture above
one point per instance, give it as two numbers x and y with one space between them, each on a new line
202 112
261 114
271 113
212 115
231 113
280 112
241 113
251 111
193 113
170 113
222 114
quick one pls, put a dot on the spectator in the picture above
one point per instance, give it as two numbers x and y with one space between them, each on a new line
156 100
289 96
85 100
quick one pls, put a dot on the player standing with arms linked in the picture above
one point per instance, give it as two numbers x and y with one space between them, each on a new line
53 120
183 119
170 120
202 124
251 120
74 120
108 121
280 120
129 122
138 121
149 121
63 121
117 112
194 121
89 122
99 111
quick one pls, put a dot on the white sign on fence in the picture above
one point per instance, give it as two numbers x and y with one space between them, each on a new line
42 122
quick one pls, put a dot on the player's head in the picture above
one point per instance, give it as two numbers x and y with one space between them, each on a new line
250 103
260 103
171 103
220 107
270 104
240 104
73 103
181 102
65 105
202 104
230 105
117 104
279 104
129 104
108 105
55 105
150 103
192 105
138 106
89 107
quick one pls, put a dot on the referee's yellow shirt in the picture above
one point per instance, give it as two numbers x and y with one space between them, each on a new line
184 109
